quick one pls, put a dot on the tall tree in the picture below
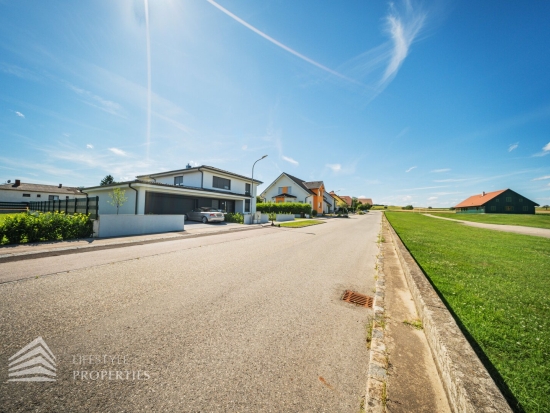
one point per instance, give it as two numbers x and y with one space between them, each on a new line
107 180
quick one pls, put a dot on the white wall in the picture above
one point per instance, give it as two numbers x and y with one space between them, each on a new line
127 208
121 225
17 196
286 181
189 179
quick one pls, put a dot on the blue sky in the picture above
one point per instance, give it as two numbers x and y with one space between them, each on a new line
422 103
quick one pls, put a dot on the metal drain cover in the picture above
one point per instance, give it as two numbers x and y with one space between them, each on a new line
358 299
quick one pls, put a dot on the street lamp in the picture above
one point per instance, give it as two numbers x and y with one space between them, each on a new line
252 188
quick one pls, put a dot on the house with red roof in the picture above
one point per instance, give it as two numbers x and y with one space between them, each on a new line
504 201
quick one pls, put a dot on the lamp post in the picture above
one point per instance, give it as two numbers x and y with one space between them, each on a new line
252 189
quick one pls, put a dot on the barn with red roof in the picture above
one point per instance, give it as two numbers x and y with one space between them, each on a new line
504 201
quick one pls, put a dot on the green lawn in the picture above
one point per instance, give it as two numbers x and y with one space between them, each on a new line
538 221
498 285
301 223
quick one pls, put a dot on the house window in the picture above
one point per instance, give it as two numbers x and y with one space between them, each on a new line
53 198
508 199
509 208
493 208
525 208
38 195
285 190
520 199
247 205
247 189
178 180
497 200
26 195
221 183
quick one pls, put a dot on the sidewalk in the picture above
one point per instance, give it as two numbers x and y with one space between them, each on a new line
516 229
41 249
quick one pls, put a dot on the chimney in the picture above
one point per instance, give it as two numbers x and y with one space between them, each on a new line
60 185
17 183
188 166
483 194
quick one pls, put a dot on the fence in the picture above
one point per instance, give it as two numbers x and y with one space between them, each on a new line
13 207
69 206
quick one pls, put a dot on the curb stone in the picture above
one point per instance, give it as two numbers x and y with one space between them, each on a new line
375 397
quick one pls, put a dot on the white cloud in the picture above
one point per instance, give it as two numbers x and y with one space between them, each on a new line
410 169
545 150
438 171
288 159
98 102
361 196
90 146
20 114
542 178
336 167
513 146
432 198
453 180
118 152
244 147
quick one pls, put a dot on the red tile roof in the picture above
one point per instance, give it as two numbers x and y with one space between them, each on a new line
365 200
480 199
346 198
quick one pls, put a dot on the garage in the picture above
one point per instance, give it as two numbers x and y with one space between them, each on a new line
159 203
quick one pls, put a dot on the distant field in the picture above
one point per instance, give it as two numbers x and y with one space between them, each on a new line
537 221
498 285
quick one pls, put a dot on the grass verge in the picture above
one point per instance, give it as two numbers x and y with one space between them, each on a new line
497 285
301 223
536 221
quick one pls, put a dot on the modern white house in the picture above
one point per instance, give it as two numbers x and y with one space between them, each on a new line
26 192
179 191
288 188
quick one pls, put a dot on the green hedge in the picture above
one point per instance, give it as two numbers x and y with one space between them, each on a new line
237 218
284 208
45 227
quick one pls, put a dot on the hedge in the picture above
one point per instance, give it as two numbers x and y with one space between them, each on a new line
237 217
45 227
284 208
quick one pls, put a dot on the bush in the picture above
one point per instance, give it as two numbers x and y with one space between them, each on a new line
409 207
284 208
45 227
314 213
237 217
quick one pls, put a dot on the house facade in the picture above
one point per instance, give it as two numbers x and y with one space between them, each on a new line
26 192
179 191
504 201
288 188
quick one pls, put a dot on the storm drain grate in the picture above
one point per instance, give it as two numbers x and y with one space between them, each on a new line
356 298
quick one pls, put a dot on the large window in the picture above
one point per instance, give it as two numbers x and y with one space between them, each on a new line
247 205
493 208
26 195
285 190
53 198
221 183
508 199
247 189
178 180
526 208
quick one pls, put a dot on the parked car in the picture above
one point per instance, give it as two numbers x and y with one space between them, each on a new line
205 214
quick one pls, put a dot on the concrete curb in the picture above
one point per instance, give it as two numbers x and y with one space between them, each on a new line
375 397
468 385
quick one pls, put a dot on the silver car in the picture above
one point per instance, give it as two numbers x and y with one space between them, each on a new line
205 214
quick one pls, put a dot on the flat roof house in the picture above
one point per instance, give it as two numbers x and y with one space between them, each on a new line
179 191
504 201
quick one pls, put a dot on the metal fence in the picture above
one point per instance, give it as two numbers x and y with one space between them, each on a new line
13 207
69 206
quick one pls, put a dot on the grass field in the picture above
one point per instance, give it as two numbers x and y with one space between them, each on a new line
301 223
498 286
538 221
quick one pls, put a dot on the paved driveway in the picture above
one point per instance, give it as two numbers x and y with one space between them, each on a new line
235 322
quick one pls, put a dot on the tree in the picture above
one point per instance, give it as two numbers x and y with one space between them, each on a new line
355 203
259 199
118 198
546 207
409 207
342 206
107 180
364 207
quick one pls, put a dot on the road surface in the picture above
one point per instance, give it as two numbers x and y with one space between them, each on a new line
237 322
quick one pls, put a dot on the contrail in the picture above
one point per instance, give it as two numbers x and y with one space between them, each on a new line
282 46
146 3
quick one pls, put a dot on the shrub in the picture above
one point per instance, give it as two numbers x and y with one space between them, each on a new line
237 217
409 207
284 208
45 227
314 213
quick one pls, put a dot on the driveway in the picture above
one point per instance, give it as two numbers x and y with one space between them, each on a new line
237 322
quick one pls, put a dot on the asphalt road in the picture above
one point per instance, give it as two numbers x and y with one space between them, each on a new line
242 322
